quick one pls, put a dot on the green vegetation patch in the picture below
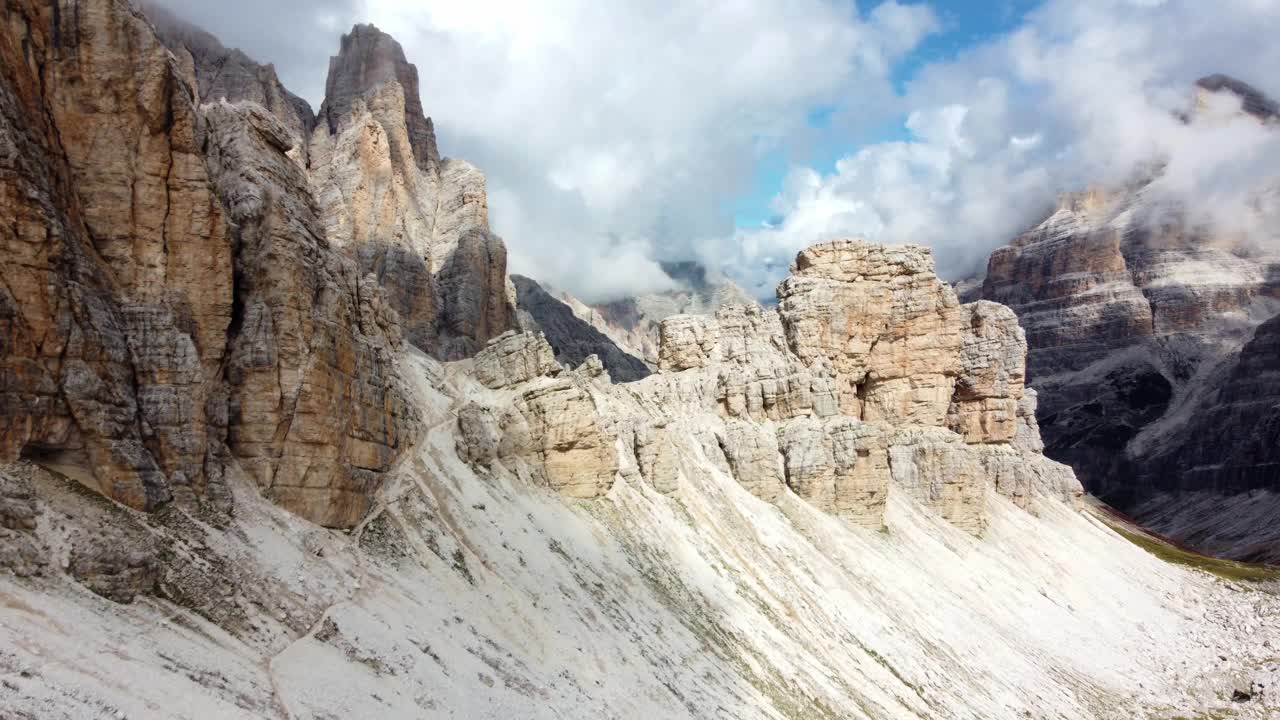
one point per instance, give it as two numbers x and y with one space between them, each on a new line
1226 569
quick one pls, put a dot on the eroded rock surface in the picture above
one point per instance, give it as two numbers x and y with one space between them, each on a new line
869 378
419 223
572 338
634 323
1139 325
875 377
216 72
171 301
513 358
315 348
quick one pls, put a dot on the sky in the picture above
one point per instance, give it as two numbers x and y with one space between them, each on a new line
737 132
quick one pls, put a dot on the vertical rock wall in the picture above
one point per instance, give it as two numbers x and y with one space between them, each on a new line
170 301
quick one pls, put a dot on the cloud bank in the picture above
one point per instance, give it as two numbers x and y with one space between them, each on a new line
1083 93
618 134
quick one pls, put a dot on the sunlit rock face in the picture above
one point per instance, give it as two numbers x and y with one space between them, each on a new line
183 298
224 469
870 378
420 224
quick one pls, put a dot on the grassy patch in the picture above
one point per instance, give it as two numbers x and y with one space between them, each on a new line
1226 569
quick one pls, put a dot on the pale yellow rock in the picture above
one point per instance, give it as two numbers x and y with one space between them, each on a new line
886 323
860 452
754 459
513 358
936 468
875 380
568 442
993 369
656 456
688 341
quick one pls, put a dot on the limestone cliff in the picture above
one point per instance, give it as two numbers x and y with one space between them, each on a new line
869 378
1136 319
419 223
229 488
172 301
220 73
633 323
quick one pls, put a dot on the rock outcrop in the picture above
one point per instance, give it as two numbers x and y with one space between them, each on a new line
513 358
552 424
572 338
1125 327
118 283
171 302
203 356
220 73
634 324
869 378
419 223
367 59
314 348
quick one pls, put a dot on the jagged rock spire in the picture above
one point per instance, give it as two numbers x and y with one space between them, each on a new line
368 58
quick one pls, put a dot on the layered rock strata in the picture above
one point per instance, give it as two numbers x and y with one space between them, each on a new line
172 302
869 378
634 323
419 223
216 72
1134 321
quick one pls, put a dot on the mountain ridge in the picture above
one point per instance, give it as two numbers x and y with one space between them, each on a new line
275 444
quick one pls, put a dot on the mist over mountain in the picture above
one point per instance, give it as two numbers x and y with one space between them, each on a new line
284 433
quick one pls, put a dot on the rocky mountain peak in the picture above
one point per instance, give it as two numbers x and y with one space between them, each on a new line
226 477
367 59
690 273
1253 101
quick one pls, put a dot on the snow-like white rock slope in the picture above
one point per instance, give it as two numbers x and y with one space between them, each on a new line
485 597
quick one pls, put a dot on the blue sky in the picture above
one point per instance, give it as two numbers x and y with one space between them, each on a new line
964 24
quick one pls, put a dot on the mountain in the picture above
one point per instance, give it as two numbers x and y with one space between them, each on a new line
272 447
632 322
1146 334
571 338
185 289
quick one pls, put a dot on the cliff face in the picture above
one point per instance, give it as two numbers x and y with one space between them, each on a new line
216 72
633 323
870 378
823 510
118 268
1126 327
1138 328
419 223
186 286
836 508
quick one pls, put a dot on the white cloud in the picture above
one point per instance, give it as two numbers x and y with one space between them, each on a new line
615 134
1084 92
608 129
